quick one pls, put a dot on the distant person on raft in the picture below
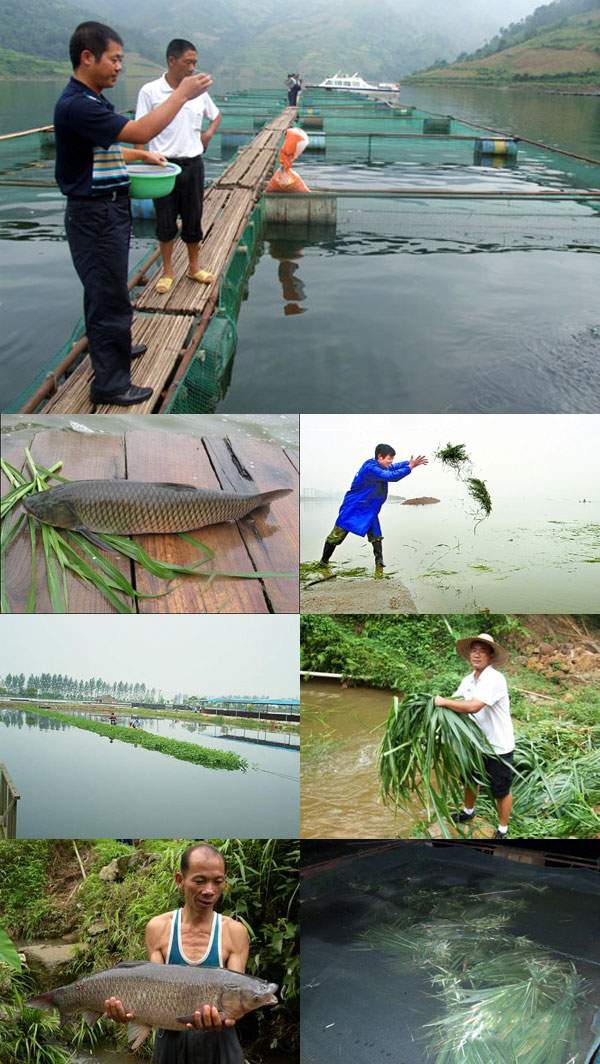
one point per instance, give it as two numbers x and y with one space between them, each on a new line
182 142
91 172
359 512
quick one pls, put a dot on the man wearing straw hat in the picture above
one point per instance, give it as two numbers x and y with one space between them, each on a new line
484 693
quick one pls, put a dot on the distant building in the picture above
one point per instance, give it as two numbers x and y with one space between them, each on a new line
108 700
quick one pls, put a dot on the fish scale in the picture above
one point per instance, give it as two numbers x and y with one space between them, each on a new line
130 507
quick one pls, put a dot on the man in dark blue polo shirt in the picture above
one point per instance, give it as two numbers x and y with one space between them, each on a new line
91 172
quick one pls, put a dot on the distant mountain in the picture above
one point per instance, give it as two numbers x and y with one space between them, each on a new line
560 41
256 43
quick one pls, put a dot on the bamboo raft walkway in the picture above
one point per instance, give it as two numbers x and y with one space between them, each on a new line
266 541
172 325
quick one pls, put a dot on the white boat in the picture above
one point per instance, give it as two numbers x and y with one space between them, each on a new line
354 83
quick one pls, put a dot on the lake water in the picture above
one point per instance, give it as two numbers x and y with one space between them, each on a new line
94 787
442 564
439 284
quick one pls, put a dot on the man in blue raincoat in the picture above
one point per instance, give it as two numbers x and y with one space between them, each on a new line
359 512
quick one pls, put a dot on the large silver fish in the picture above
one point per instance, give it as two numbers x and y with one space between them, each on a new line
158 995
130 507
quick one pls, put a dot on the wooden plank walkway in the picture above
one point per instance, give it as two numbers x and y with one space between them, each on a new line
265 541
166 323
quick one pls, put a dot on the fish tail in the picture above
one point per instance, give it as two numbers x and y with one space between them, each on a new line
42 1001
268 497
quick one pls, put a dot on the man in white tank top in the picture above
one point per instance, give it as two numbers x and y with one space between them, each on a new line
484 693
196 935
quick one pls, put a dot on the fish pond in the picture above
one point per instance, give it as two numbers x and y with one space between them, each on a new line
439 560
341 732
366 952
93 787
416 304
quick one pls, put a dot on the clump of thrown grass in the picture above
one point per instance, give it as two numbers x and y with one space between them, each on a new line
182 751
66 551
430 751
453 455
504 999
478 491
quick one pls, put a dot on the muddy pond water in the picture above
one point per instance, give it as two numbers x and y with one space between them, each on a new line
341 731
76 784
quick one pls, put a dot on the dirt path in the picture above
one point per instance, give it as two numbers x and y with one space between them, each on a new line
360 595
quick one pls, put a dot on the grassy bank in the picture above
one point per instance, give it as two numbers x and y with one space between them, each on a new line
182 751
44 896
186 714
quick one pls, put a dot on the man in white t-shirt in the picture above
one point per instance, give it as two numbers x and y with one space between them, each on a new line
484 693
184 143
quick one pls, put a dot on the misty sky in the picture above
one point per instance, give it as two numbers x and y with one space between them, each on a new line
188 654
523 456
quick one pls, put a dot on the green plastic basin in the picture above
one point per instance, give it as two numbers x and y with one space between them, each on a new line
151 182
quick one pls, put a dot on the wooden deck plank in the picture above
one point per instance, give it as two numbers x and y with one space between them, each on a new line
215 204
178 458
164 335
271 535
84 458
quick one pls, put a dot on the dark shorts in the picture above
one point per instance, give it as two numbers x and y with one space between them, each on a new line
198 1047
185 201
338 535
499 774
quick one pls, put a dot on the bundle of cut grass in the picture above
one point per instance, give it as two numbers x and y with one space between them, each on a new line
453 455
505 1000
66 551
430 751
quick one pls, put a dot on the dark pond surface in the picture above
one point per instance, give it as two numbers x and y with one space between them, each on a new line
75 784
342 982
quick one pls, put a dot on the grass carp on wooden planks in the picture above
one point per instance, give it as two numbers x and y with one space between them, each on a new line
129 507
158 995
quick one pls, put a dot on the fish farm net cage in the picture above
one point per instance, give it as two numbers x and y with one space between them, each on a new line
419 954
404 180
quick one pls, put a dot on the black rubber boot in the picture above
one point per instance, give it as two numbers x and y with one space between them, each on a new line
328 549
378 552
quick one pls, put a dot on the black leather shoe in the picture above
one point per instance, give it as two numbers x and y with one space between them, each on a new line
138 350
501 836
132 396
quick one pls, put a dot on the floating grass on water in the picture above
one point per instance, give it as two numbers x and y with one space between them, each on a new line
430 751
67 552
182 751
453 455
505 1000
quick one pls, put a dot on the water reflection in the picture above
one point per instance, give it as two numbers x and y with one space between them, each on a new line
95 787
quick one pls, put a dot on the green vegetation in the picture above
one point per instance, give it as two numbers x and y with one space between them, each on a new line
182 751
108 919
430 752
500 995
556 715
72 552
18 64
559 42
455 456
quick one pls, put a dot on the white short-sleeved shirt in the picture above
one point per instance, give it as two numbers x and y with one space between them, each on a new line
181 138
494 719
